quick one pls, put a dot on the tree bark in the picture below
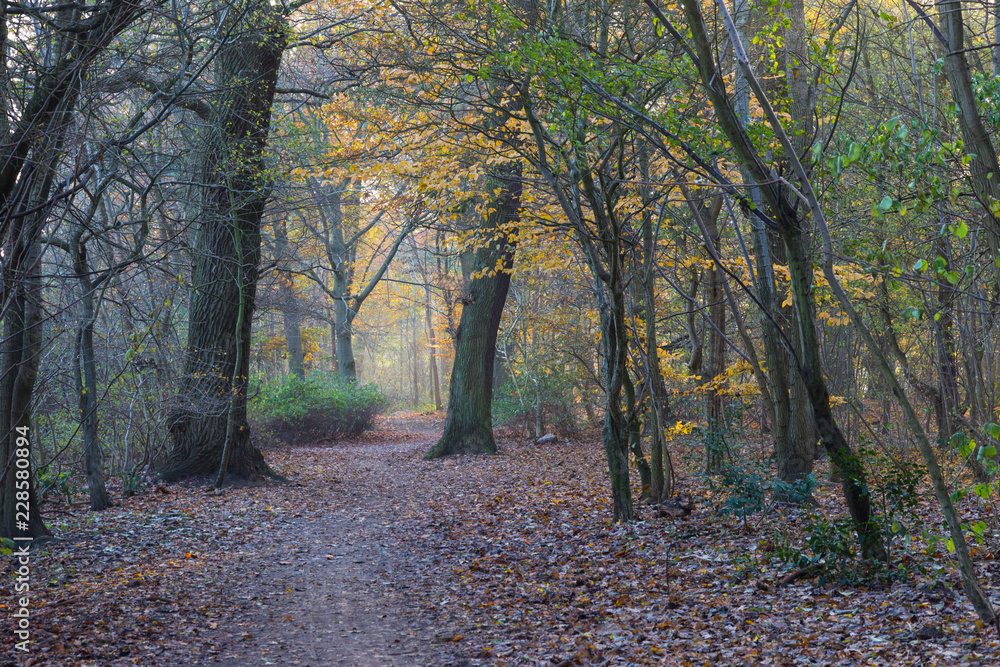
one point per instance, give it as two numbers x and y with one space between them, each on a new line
21 352
468 424
225 276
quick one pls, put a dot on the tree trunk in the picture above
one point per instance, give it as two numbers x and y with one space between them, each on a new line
799 441
635 441
603 251
715 437
662 474
85 369
292 325
853 475
946 403
983 166
615 433
431 350
794 434
468 424
288 303
800 272
347 366
343 315
697 360
21 352
414 362
237 188
30 132
22 346
237 383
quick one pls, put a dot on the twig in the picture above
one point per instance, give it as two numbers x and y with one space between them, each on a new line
792 577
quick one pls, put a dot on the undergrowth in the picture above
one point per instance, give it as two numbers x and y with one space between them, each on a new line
828 546
323 406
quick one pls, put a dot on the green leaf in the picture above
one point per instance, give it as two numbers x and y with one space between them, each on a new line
967 448
920 265
886 203
951 545
988 452
962 230
993 430
979 527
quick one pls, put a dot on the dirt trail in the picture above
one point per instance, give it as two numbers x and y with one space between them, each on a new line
347 589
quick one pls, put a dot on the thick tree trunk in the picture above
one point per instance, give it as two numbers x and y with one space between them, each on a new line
799 440
22 346
237 188
468 425
347 365
21 352
292 325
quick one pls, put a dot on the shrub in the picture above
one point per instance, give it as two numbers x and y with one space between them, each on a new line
323 406
894 493
516 409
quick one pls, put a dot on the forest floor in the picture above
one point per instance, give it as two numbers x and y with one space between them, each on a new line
373 556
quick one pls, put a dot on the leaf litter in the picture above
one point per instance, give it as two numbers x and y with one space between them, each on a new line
373 556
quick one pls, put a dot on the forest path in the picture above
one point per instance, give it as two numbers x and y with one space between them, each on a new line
345 586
